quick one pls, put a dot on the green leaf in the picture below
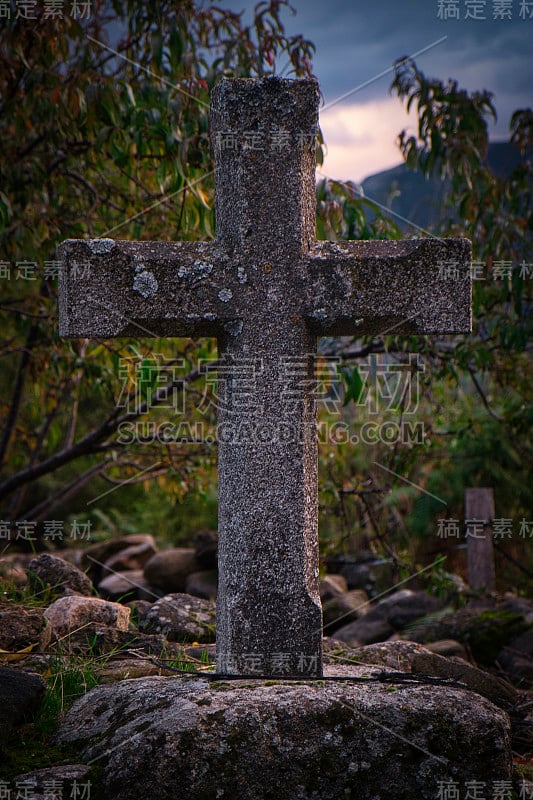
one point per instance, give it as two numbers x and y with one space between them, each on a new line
354 386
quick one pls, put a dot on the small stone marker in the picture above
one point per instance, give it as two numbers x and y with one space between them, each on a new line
479 513
266 288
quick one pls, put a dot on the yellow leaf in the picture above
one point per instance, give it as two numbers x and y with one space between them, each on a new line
5 655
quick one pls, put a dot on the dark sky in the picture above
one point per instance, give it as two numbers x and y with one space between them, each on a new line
357 40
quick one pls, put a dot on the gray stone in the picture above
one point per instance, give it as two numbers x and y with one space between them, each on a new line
356 573
332 586
266 288
484 632
406 606
131 558
392 613
41 663
63 578
517 660
22 627
413 657
12 573
343 609
97 639
169 569
448 647
373 627
20 694
94 556
518 605
72 613
71 777
181 618
139 608
206 549
124 586
203 584
173 737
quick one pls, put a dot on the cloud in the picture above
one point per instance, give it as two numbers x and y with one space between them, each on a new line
357 41
361 138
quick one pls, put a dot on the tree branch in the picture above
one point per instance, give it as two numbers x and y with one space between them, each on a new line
16 399
482 395
92 442
39 512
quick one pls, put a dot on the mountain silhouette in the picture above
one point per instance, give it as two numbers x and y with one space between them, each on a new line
410 195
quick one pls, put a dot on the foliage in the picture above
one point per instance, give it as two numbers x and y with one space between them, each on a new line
105 137
475 396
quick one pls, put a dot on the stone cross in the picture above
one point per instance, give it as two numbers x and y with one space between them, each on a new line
266 289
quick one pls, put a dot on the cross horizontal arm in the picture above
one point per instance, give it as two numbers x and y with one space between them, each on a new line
412 286
113 288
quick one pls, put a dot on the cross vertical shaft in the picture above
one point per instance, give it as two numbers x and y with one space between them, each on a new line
269 616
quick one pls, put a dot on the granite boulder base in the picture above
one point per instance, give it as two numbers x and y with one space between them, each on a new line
175 738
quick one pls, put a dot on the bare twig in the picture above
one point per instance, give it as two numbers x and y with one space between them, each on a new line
482 395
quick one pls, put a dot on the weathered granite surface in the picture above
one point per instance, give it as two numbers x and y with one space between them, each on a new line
173 737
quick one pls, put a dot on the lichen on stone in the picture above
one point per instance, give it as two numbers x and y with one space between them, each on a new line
100 246
145 283
234 327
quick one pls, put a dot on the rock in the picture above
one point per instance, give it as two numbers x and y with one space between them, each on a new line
412 657
344 608
169 569
74 555
518 605
178 737
98 639
70 613
358 576
21 627
41 663
71 777
516 658
124 586
448 647
206 549
20 694
127 668
498 691
95 555
134 557
13 573
181 617
372 627
381 620
332 586
203 584
139 609
62 577
201 652
484 632
406 606
17 559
